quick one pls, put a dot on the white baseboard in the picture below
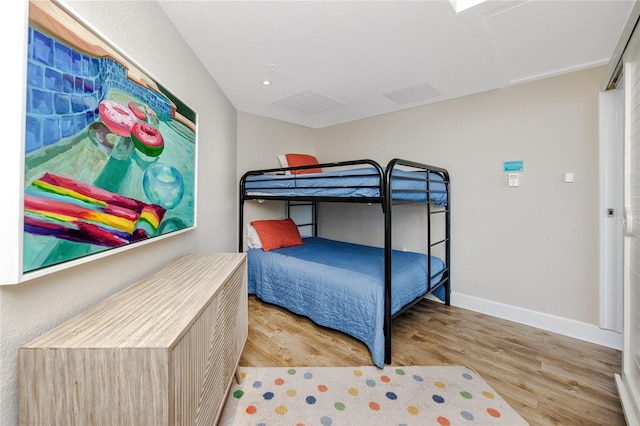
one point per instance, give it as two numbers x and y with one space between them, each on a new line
629 402
566 327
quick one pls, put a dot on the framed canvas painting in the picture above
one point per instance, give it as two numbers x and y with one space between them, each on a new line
110 153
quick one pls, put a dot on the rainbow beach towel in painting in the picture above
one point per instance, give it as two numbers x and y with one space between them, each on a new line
358 396
68 209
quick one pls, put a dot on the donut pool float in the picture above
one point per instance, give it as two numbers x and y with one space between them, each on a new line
137 110
118 118
147 139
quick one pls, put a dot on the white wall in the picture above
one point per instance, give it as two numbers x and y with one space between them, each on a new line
534 247
143 32
260 141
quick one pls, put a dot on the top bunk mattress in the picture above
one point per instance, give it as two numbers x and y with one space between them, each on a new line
358 182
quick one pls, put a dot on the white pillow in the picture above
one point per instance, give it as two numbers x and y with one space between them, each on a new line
282 159
253 239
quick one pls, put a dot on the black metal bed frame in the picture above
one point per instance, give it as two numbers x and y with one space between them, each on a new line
385 199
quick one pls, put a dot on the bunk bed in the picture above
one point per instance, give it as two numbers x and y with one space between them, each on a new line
356 289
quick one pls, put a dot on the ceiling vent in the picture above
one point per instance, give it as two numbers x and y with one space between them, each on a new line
307 102
419 92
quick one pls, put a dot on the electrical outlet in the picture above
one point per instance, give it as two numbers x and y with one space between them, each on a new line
514 179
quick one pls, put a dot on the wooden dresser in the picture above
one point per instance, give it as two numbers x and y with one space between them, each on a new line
161 352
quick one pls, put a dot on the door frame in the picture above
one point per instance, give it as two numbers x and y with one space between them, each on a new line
611 208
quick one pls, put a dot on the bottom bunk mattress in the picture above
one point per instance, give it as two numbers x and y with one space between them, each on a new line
341 285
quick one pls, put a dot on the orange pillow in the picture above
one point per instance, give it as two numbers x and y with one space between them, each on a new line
276 234
294 160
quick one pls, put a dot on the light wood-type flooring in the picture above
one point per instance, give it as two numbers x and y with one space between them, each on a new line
547 378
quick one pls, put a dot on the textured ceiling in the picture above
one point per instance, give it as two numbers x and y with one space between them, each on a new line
336 61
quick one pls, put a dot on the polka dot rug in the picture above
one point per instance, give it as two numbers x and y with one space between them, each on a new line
368 395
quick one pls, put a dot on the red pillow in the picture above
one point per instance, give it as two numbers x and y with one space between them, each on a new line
294 160
276 234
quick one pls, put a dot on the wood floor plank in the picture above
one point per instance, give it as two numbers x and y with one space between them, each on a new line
549 379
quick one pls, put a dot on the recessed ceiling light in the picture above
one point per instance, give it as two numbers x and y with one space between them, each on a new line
266 82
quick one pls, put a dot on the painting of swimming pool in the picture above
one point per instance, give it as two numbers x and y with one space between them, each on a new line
110 153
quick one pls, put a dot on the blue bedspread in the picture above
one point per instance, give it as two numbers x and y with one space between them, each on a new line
358 182
340 285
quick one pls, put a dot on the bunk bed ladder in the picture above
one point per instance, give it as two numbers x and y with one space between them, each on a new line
445 240
387 208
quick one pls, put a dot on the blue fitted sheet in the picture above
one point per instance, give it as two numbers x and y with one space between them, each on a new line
340 285
358 182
